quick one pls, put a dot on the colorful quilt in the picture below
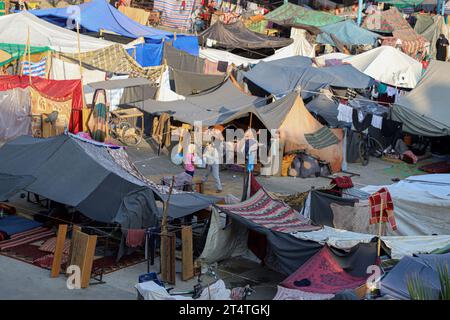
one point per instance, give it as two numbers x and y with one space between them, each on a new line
175 13
322 274
269 213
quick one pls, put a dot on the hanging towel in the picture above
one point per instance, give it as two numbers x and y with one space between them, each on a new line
345 113
135 237
37 69
377 121
388 208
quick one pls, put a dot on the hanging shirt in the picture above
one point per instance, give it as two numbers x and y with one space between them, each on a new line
345 113
377 121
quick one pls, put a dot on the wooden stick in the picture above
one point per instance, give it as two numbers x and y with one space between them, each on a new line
28 50
380 223
166 208
79 60
59 247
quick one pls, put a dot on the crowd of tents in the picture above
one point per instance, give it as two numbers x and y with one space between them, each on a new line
329 78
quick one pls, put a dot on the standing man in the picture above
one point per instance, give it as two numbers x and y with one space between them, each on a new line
441 48
213 155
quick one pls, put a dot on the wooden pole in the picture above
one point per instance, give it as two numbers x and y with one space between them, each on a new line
28 50
79 60
380 223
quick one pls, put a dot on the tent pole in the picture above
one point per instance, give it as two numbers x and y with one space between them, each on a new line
443 8
29 55
380 223
79 60
360 7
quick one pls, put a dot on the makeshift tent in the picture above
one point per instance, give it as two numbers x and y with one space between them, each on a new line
388 65
173 14
423 267
424 111
147 54
96 179
51 91
14 29
188 83
322 274
405 3
347 32
10 52
182 60
285 252
300 47
281 76
392 21
114 59
290 13
430 27
421 205
236 35
97 15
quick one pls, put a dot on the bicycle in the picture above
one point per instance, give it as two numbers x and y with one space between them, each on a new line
369 146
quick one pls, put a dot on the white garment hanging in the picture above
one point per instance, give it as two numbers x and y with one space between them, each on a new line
345 113
377 121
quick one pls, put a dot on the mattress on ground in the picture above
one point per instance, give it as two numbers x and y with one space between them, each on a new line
16 224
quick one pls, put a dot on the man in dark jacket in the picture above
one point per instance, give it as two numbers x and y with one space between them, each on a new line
441 48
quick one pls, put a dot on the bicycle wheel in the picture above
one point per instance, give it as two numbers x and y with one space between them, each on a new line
375 147
363 153
129 135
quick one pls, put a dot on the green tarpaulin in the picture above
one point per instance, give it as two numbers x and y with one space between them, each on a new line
403 3
290 13
15 51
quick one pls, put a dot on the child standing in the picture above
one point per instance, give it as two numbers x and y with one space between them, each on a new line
189 160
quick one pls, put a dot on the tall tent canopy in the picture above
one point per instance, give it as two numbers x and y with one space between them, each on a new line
290 13
14 29
425 110
430 27
347 32
280 77
388 65
10 52
236 35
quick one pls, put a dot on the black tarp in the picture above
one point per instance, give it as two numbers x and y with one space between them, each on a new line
287 253
85 176
237 35
181 60
320 210
188 83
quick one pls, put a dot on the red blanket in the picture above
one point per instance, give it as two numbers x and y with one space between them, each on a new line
388 208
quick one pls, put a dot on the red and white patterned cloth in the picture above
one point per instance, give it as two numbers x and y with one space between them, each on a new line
388 208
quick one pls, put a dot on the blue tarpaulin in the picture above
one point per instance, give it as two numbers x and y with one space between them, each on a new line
99 15
282 76
147 54
348 33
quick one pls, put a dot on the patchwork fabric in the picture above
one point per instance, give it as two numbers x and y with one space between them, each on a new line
291 294
322 138
269 213
25 237
114 59
50 245
322 274
388 208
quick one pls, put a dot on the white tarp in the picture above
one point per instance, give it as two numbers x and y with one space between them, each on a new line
407 246
388 65
14 29
341 239
421 205
15 113
300 47
165 93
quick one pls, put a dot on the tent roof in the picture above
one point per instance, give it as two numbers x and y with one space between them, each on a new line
348 32
425 110
99 14
388 65
217 106
120 83
289 14
87 176
14 29
236 35
16 51
284 75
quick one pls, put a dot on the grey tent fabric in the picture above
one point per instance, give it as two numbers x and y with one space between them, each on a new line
322 138
281 76
236 35
287 253
10 185
395 283
216 106
85 176
424 111
188 83
120 83
430 27
181 60
326 107
320 210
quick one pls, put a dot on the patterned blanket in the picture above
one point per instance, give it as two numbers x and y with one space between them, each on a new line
272 214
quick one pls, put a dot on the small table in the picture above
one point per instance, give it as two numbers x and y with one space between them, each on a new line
125 114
